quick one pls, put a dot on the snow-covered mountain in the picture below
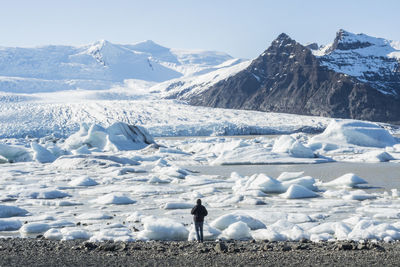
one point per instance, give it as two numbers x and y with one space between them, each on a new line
369 59
98 66
356 77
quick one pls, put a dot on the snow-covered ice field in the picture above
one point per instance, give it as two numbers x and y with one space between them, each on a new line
112 181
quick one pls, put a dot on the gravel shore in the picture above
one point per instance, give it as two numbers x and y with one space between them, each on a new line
41 252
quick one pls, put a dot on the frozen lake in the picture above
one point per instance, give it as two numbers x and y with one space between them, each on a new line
115 183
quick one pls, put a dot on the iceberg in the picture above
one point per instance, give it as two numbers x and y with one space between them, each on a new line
118 137
350 132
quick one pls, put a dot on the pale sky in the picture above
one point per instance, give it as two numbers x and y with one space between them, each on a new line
241 28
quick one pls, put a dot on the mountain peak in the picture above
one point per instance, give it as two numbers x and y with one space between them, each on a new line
345 40
282 40
148 46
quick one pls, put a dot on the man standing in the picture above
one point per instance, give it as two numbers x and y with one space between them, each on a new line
199 212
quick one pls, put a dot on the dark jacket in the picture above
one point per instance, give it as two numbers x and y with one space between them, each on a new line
199 212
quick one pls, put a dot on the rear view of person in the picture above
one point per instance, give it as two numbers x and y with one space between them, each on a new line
199 212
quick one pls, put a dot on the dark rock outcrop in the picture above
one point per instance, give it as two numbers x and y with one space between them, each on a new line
288 78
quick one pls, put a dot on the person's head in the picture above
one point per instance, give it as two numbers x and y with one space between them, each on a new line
199 202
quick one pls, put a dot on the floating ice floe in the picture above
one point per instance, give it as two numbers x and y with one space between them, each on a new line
287 144
120 234
238 231
349 195
286 176
375 156
226 220
346 180
83 181
3 160
258 182
94 216
116 199
67 233
349 132
10 225
14 153
267 234
117 137
162 229
11 211
298 191
34 227
177 205
41 154
71 162
47 194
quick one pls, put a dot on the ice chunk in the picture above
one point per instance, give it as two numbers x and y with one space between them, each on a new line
306 181
112 198
298 191
48 194
82 150
53 234
177 205
41 154
260 182
287 144
70 233
286 176
61 224
358 195
10 225
85 161
34 227
346 180
162 229
267 234
237 231
345 132
376 156
11 211
135 217
83 181
94 216
3 159
117 137
14 153
226 220
120 234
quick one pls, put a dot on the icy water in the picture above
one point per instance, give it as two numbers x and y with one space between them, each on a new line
384 176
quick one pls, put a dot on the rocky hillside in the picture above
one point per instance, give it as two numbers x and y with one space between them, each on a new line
348 79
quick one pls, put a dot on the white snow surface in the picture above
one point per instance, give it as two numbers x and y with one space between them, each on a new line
364 57
99 65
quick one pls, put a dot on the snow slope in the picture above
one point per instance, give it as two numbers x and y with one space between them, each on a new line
369 59
97 66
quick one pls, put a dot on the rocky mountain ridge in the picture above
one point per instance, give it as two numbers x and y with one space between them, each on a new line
347 79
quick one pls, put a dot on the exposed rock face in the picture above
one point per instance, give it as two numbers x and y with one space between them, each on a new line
289 78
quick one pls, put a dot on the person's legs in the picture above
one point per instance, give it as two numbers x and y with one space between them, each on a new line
197 228
201 231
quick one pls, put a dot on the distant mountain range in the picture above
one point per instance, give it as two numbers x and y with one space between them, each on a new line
357 76
98 66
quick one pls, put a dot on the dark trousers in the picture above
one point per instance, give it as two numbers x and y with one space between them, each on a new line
198 226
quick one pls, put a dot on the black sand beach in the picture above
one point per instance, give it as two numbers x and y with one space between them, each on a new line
41 252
